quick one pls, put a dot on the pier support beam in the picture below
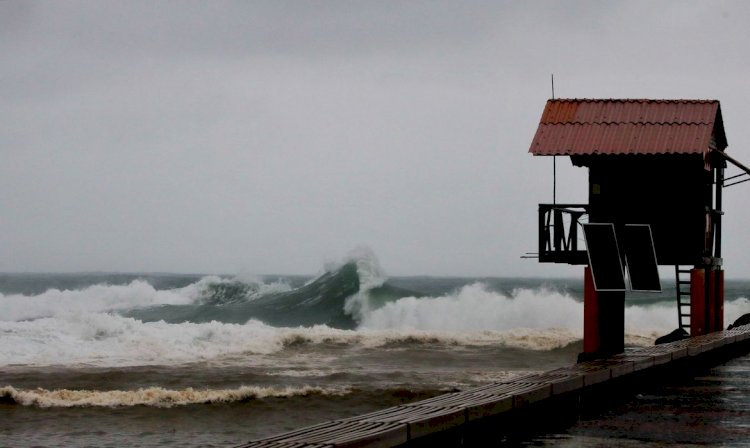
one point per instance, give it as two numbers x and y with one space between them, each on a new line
706 301
603 320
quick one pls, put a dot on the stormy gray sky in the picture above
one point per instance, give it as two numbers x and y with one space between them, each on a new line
275 136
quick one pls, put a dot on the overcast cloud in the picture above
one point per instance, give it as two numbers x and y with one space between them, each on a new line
271 137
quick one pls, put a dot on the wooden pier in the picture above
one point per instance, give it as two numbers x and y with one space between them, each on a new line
470 416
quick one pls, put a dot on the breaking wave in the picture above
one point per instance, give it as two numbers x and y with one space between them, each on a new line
153 396
351 305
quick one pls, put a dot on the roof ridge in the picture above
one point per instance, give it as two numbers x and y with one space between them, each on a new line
635 100
637 123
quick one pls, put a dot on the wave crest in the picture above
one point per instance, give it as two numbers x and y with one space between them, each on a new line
153 396
224 291
95 298
209 290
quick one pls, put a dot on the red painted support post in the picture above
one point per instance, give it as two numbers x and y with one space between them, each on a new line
603 320
698 302
706 301
719 302
591 342
716 302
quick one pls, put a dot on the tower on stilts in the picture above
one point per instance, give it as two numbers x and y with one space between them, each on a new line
655 180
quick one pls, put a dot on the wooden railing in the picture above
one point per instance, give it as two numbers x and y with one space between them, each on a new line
559 233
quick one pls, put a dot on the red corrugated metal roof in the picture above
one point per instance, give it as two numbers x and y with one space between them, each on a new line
591 126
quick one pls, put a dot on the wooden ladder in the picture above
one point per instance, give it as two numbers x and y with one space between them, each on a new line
683 296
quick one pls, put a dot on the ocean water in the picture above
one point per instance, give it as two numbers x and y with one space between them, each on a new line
189 360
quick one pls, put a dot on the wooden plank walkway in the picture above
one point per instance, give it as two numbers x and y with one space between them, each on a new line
401 425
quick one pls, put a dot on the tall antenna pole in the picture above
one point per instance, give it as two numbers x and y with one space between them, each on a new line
553 86
554 158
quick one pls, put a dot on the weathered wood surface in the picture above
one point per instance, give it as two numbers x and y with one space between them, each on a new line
400 424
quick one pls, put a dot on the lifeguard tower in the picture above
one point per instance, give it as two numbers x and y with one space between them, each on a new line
656 173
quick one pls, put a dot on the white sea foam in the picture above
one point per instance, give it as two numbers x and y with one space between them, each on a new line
735 309
528 318
80 330
371 275
110 340
106 340
108 298
643 324
98 298
154 396
101 339
256 288
474 307
310 373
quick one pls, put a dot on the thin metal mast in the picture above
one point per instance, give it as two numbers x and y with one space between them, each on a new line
554 158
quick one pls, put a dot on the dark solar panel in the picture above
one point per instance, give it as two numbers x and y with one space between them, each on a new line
640 258
604 257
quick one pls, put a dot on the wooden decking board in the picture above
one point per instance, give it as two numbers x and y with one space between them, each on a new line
282 444
596 376
662 359
456 399
561 382
474 404
481 404
443 400
366 434
523 393
617 367
651 350
571 384
720 338
709 341
399 424
425 423
496 388
430 415
487 406
696 347
383 435
743 332
505 387
287 436
737 334
532 394
662 354
601 370
730 336
421 420
369 442
640 362
679 350
495 398
330 434
394 414
591 372
296 445
338 431
622 368
377 415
